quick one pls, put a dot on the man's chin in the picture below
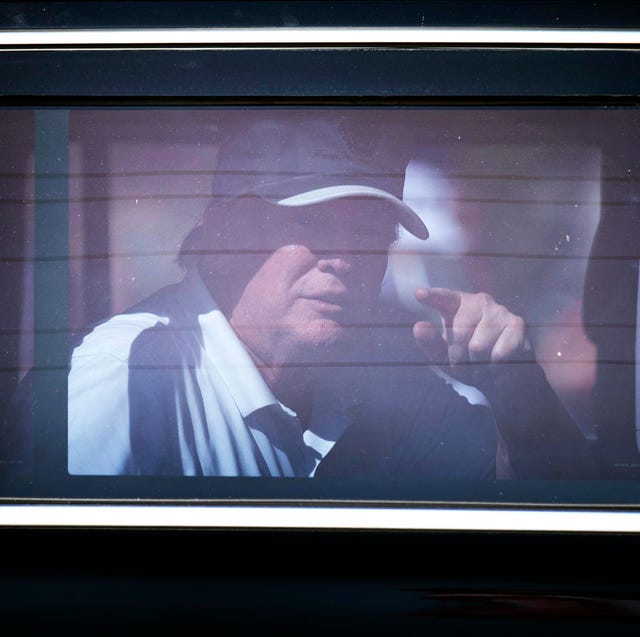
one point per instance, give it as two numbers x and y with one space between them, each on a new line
329 342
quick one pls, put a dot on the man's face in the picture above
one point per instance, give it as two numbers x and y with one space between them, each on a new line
307 278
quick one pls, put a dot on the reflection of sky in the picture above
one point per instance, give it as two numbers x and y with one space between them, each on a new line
433 199
478 200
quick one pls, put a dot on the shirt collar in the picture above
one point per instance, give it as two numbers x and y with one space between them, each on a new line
225 350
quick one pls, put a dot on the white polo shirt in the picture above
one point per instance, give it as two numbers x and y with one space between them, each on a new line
205 396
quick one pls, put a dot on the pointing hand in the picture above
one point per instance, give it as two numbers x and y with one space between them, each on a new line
475 328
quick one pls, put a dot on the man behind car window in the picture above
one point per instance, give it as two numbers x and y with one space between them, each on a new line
267 359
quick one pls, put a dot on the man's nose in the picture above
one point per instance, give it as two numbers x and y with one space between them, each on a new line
339 265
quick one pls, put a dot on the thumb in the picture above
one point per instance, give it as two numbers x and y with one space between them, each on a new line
429 339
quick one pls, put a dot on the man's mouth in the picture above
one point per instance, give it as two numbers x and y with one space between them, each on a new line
336 301
336 293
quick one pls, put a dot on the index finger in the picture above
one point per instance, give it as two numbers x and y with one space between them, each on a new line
443 300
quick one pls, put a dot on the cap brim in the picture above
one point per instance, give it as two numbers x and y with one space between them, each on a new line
407 217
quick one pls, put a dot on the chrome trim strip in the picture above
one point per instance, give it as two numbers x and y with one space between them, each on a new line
305 517
297 36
